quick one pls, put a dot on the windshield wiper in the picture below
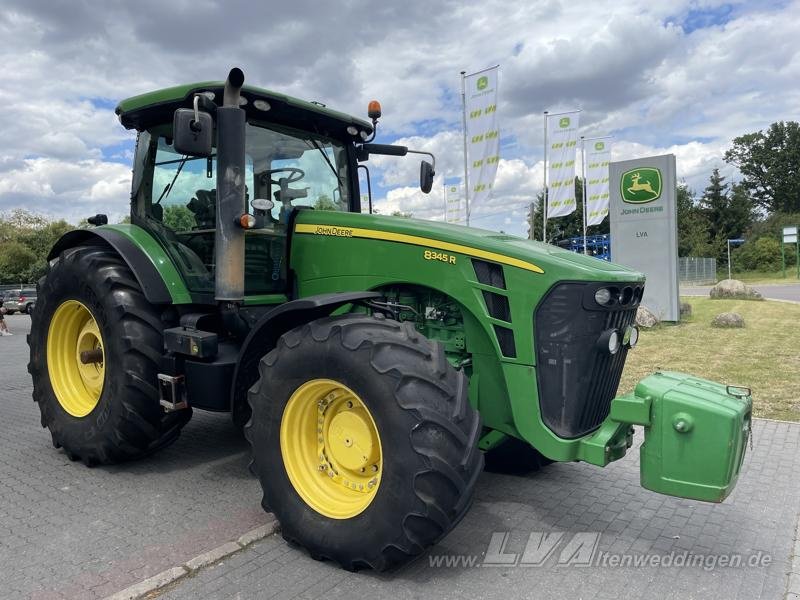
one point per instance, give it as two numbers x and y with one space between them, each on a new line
168 187
327 160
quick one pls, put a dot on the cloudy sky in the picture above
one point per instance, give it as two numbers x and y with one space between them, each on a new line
681 76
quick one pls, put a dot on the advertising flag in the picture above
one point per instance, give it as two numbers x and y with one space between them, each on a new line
482 133
598 157
454 204
562 141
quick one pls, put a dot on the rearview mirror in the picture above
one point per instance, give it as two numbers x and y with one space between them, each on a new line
192 132
426 174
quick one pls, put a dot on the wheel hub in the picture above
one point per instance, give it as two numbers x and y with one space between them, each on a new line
350 440
331 448
73 332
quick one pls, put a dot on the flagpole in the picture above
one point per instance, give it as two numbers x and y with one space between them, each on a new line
544 192
583 176
464 123
444 196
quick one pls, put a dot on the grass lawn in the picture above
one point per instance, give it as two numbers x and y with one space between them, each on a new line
769 277
764 356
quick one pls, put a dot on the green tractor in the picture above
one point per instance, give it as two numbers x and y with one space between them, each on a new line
372 361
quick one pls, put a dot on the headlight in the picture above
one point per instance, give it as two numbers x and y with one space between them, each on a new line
631 336
602 296
610 341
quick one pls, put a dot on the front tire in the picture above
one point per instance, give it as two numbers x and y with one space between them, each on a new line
106 410
363 440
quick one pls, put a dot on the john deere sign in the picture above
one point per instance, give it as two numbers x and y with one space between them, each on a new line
644 227
639 186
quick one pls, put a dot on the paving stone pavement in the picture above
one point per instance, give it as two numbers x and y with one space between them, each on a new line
757 520
68 531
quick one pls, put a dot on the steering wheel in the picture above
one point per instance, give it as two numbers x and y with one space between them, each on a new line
295 174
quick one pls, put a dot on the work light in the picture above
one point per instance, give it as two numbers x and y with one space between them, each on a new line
610 341
602 296
631 336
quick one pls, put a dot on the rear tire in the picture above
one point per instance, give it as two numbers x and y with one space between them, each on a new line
427 439
122 419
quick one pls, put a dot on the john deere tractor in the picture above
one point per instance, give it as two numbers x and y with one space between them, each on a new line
372 361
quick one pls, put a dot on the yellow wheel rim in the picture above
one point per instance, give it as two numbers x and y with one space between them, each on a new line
331 448
77 385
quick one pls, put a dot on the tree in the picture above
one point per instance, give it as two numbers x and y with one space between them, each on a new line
16 261
178 218
729 213
693 226
770 165
763 254
324 202
400 213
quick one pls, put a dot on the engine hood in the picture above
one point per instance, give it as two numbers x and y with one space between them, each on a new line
510 250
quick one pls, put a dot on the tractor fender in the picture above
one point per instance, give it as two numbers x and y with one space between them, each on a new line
264 335
148 276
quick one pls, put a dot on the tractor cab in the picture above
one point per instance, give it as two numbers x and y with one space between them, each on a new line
297 154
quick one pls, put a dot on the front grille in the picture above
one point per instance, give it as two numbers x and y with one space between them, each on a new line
577 379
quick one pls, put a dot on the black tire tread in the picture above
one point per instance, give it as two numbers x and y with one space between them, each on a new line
398 350
145 426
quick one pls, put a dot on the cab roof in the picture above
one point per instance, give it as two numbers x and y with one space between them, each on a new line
156 108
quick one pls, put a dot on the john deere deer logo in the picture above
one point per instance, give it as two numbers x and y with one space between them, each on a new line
639 186
599 146
483 83
563 122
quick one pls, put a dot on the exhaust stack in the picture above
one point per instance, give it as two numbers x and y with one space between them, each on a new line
229 236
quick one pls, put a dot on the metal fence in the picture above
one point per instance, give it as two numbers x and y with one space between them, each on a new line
16 286
698 271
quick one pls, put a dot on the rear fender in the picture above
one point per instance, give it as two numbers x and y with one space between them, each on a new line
151 265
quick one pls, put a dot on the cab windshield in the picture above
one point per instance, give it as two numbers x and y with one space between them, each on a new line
176 198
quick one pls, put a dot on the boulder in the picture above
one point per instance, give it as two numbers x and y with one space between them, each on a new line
686 309
733 288
645 317
728 320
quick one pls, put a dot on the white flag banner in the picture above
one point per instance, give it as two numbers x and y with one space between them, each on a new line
598 157
562 141
483 133
454 204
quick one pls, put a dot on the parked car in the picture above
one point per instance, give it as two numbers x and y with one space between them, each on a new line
20 301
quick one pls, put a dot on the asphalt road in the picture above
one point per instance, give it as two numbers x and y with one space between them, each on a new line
789 291
67 531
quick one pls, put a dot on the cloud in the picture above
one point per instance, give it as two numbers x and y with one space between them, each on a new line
72 190
684 76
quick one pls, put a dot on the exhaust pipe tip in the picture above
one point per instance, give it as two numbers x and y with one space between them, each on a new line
236 77
233 85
